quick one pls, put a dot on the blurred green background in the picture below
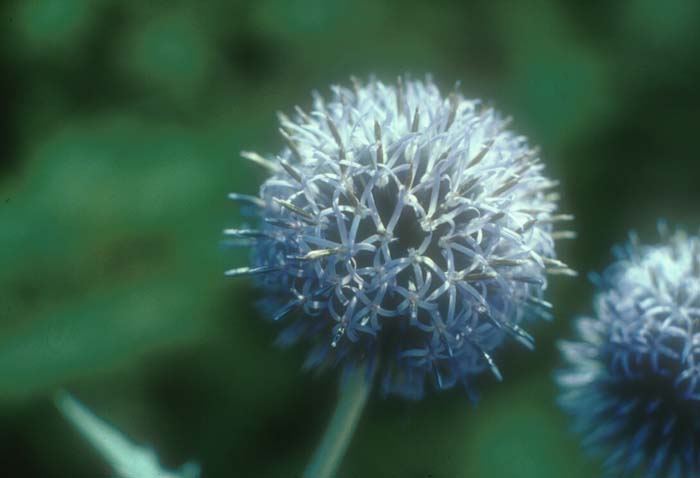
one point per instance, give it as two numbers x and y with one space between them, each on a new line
123 124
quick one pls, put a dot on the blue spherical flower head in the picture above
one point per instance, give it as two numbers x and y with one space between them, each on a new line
633 382
403 231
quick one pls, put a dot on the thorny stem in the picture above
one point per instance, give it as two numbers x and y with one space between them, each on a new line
353 395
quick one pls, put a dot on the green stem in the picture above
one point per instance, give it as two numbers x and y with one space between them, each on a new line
353 396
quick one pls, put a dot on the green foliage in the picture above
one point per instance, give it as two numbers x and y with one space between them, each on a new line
51 26
125 123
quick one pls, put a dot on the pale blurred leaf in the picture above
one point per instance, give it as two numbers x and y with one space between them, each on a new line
127 459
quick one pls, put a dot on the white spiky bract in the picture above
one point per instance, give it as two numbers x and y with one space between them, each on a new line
404 229
126 459
633 381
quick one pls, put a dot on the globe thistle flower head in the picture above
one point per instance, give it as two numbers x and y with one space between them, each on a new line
405 231
633 381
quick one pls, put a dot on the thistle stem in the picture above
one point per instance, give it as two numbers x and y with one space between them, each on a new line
353 395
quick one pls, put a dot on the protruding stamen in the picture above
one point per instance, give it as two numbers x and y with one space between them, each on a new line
492 365
514 330
295 209
478 276
302 114
242 271
356 85
480 155
554 263
313 255
504 262
539 302
410 176
378 139
695 260
291 145
246 233
654 276
558 235
543 186
285 309
416 120
259 160
336 136
399 96
350 194
245 198
506 186
283 118
506 122
291 171
560 218
528 163
497 217
528 225
527 279
319 102
562 272
337 337
466 187
454 102
279 222
521 335
377 131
